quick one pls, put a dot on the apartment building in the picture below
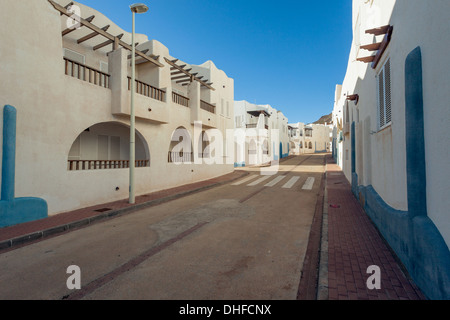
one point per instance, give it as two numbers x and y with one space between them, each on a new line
311 138
262 133
68 74
391 114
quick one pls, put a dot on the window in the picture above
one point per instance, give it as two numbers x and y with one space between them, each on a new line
384 95
72 69
74 56
104 67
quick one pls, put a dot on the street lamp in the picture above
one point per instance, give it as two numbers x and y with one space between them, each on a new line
135 8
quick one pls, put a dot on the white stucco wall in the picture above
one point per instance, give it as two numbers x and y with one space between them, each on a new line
381 154
276 121
54 109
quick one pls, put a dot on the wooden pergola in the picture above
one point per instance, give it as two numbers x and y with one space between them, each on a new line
184 77
115 41
379 47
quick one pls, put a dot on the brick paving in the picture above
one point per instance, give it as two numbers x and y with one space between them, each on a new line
354 244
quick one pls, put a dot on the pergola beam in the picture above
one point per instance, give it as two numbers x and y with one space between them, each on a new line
107 42
366 59
179 72
143 51
68 6
378 31
105 34
181 77
179 68
371 47
384 44
185 80
69 30
92 35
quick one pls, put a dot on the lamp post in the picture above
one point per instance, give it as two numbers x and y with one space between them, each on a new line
135 8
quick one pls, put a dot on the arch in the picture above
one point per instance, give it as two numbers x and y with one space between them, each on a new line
180 148
105 145
252 152
265 147
203 145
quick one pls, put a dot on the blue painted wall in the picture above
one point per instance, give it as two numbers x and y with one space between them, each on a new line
411 234
239 165
15 210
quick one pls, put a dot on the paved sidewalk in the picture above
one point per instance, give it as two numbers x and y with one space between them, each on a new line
26 233
354 244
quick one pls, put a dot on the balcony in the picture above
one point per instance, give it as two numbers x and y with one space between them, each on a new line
207 107
86 73
148 90
179 99
255 125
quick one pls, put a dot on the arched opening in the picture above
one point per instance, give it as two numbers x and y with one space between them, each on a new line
252 152
107 146
203 146
265 147
180 149
292 147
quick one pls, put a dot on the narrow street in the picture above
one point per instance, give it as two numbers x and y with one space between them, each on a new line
242 240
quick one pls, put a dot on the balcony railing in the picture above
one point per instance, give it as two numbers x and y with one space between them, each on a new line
77 165
148 90
254 125
207 106
180 157
85 73
179 99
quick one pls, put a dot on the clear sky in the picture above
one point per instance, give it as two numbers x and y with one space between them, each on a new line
289 54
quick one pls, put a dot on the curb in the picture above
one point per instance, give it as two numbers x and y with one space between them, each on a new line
322 286
72 226
310 276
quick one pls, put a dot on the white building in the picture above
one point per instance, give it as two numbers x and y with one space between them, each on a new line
266 134
311 138
71 88
391 114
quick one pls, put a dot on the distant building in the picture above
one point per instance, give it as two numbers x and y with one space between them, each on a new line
311 138
391 118
71 88
266 134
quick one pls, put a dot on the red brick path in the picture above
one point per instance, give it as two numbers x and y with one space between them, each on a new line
354 244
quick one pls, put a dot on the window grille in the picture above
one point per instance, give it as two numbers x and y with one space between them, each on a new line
384 95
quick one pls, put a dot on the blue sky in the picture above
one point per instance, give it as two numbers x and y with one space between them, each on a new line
286 53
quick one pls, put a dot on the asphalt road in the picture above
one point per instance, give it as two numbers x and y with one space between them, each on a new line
245 240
